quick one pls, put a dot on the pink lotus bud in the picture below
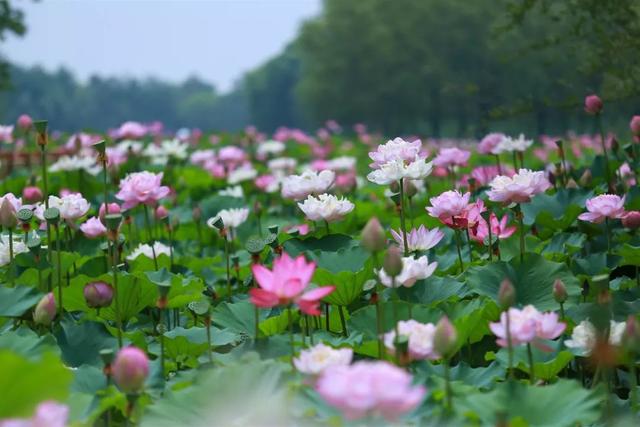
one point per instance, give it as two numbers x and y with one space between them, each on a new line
445 337
631 337
130 369
506 294
559 291
593 104
45 311
8 214
25 122
631 219
392 263
98 294
634 125
31 195
373 238
114 208
161 212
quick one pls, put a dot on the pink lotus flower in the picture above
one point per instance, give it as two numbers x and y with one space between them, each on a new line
395 150
631 219
116 156
114 208
420 336
141 188
93 228
499 229
593 104
490 142
6 134
231 155
527 325
452 157
130 369
286 284
32 194
603 206
421 239
315 360
131 130
449 207
268 183
25 122
634 125
484 174
369 389
519 188
48 414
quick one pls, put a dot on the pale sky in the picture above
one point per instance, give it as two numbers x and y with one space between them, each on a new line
217 40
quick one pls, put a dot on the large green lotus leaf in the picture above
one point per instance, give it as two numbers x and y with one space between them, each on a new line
27 343
81 342
630 254
623 304
26 383
183 290
221 397
434 290
546 364
198 335
334 252
14 302
482 377
590 265
556 210
238 317
348 285
562 404
135 295
278 324
364 319
565 243
533 280
328 243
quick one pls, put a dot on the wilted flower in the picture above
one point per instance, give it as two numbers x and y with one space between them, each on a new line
325 207
314 360
583 336
412 270
93 228
420 339
141 188
130 369
421 239
298 187
286 284
603 206
519 188
368 389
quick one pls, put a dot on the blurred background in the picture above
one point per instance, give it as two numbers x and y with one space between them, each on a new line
444 68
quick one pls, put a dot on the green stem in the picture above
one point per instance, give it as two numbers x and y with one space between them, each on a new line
45 187
208 325
518 215
326 227
226 255
447 386
116 291
469 246
394 297
147 223
633 393
604 150
59 270
509 345
11 270
402 222
342 321
490 240
498 164
608 233
291 344
532 376
459 246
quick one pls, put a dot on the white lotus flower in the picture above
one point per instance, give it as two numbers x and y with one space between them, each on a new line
282 164
270 147
232 218
235 191
395 170
316 359
18 247
412 271
583 336
325 207
147 250
74 163
297 187
71 206
509 145
241 174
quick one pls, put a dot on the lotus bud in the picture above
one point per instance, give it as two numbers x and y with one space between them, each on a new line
45 311
32 194
161 213
631 337
631 219
130 369
113 208
571 183
559 291
197 214
8 214
25 122
593 104
392 263
372 237
98 294
410 189
445 337
634 125
585 179
506 294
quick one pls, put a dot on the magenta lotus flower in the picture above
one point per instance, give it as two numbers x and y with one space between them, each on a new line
93 228
631 219
370 389
593 104
130 369
519 188
451 157
141 188
499 229
421 239
527 325
286 284
603 206
25 122
98 294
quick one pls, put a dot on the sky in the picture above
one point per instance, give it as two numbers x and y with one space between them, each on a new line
216 40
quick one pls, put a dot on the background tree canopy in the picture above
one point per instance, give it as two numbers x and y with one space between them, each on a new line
439 67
